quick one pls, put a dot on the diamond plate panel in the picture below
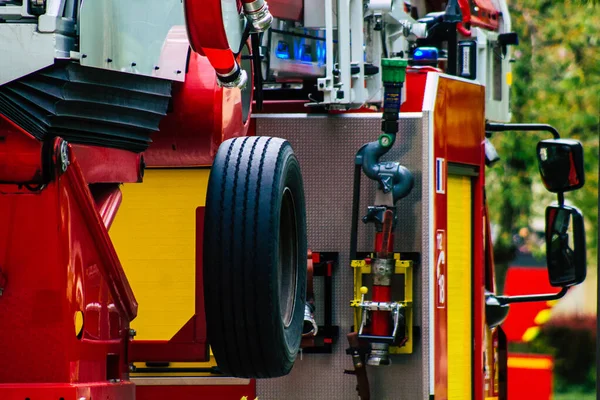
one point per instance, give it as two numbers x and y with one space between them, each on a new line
426 294
326 146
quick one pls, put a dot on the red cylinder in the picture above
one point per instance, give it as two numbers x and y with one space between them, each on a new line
378 244
380 320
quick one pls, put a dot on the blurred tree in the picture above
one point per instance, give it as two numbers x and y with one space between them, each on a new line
556 73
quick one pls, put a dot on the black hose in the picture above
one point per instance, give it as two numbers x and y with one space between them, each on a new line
452 52
257 72
355 211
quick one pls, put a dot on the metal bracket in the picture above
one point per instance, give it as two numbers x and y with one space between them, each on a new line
327 335
404 307
393 307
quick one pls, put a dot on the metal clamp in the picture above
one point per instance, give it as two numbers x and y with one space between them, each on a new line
392 307
237 78
259 15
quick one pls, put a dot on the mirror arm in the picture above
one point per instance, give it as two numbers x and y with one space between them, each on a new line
531 298
561 198
496 127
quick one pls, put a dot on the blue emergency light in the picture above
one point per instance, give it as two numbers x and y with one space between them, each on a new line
425 54
283 50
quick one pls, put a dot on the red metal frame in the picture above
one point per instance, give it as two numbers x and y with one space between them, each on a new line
203 116
60 265
20 155
458 138
106 391
197 392
104 165
107 198
485 15
479 276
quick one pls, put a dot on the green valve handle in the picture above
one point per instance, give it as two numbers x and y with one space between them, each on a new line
386 140
393 70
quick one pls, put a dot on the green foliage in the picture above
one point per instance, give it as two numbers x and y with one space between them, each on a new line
572 343
575 393
556 81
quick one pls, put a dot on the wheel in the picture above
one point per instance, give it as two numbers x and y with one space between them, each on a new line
255 257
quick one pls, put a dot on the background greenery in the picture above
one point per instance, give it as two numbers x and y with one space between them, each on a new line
556 74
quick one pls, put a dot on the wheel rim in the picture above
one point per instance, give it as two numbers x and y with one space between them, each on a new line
288 257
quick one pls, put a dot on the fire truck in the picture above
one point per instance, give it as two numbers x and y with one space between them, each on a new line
227 199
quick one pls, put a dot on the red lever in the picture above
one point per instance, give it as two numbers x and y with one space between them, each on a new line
465 8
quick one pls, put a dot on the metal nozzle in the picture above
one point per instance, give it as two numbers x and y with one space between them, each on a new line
380 355
259 15
235 79
310 327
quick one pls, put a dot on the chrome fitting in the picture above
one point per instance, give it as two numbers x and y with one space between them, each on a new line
258 15
383 269
367 306
237 78
310 327
65 159
379 355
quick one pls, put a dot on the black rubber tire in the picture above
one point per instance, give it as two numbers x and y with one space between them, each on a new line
255 217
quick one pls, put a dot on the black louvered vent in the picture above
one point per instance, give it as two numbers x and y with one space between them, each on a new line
88 105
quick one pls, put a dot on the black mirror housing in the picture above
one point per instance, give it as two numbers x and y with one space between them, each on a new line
495 311
561 164
508 39
565 246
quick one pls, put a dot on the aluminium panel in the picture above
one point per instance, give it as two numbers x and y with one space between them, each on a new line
24 50
326 146
130 36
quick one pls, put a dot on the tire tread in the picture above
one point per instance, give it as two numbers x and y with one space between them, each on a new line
240 257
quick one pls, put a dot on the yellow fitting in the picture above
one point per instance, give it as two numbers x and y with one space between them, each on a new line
364 290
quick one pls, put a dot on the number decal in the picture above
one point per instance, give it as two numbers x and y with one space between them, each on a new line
440 269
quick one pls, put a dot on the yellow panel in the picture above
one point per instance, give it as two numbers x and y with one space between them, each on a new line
529 363
154 234
459 288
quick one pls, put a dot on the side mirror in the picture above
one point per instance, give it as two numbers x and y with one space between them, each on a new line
495 311
508 39
561 164
565 246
